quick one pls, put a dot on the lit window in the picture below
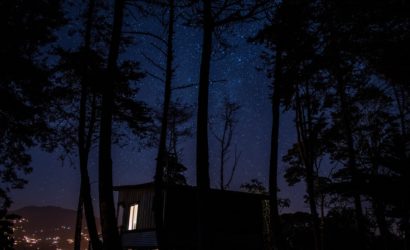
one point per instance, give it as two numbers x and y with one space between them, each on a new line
132 223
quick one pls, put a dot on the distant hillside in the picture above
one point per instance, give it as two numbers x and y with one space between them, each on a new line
47 217
47 228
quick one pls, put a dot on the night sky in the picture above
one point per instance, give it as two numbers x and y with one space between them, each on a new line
54 182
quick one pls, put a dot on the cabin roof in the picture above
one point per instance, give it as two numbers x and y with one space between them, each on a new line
152 185
135 186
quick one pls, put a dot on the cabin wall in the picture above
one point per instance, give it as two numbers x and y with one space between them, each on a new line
229 220
232 220
144 198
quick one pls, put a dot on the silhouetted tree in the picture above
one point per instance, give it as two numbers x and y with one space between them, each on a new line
168 169
164 159
110 235
6 229
78 90
24 82
375 129
282 37
384 47
179 115
29 29
335 28
85 140
214 17
333 57
304 156
320 49
228 118
306 96
254 186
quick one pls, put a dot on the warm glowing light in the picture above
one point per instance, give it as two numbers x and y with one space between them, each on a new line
132 223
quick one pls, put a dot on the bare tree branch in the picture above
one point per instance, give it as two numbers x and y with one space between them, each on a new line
158 38
155 76
153 62
159 49
234 166
184 86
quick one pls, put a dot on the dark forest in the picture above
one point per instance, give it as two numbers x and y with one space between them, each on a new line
71 77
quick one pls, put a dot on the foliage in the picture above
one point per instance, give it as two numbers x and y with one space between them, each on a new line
24 84
349 106
129 114
174 171
255 186
6 229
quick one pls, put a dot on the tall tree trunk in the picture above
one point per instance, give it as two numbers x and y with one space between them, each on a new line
310 183
202 157
322 221
405 221
162 150
277 238
401 98
78 223
84 150
84 139
222 161
110 234
310 179
222 156
360 220
88 205
379 211
202 154
304 134
379 208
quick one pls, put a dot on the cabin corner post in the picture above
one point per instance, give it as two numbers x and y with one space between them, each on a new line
202 218
158 209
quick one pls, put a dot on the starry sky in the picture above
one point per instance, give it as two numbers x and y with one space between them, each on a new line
54 182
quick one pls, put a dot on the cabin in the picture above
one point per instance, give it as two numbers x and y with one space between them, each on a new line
232 220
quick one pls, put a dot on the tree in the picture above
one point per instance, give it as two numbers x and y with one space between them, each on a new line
24 83
308 100
338 83
386 26
78 91
303 158
214 18
284 41
228 118
179 115
375 129
85 141
24 80
6 229
277 237
168 169
110 235
254 186
345 115
163 157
